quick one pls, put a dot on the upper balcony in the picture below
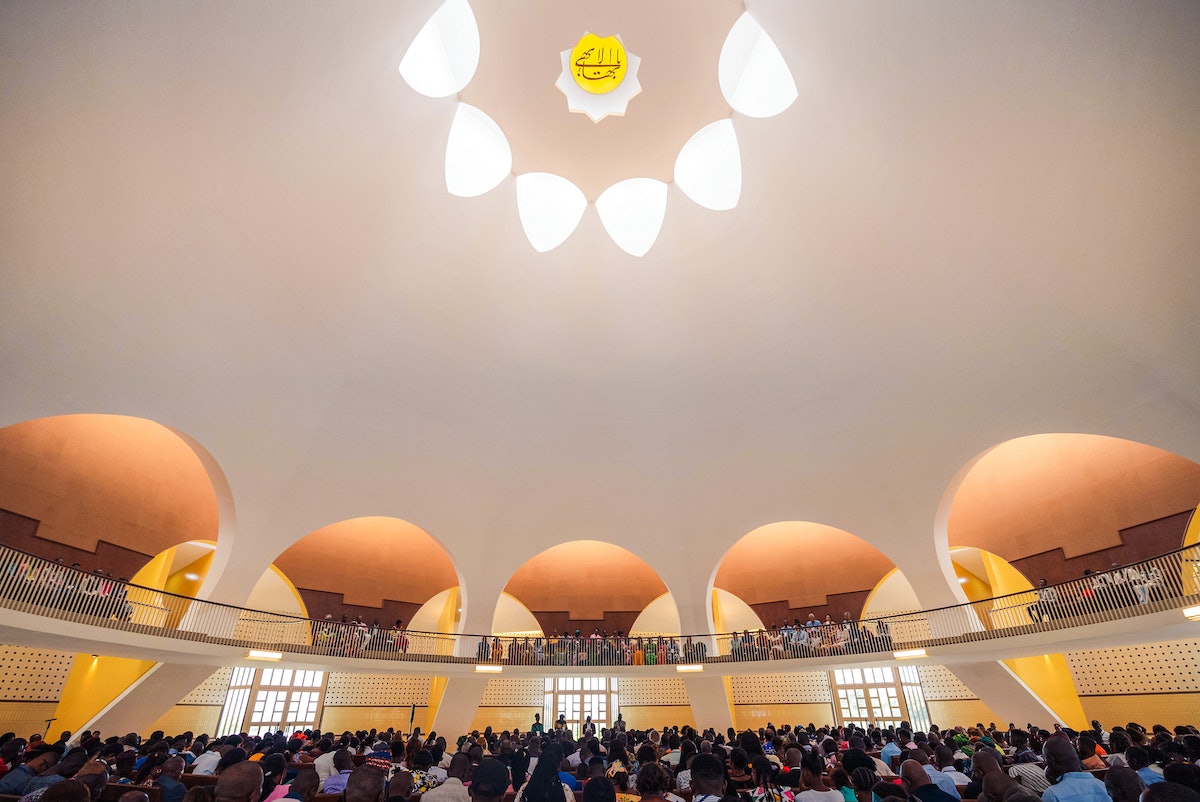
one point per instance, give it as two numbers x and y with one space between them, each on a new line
52 605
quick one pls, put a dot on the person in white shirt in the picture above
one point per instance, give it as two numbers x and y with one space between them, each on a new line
324 762
452 790
811 770
944 757
207 762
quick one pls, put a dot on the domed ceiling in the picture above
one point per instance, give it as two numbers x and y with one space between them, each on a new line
976 222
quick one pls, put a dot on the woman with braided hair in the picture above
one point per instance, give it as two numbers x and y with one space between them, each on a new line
544 784
765 788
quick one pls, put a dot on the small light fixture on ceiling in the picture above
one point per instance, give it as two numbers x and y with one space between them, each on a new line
962 580
477 154
686 668
443 56
262 654
753 74
191 576
908 654
1192 613
486 668
632 212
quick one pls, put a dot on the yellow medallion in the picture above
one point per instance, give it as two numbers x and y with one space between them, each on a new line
598 65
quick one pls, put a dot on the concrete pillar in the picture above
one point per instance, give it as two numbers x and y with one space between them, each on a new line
998 687
147 698
458 704
710 701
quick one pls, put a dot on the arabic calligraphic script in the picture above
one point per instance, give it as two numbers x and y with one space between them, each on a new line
598 65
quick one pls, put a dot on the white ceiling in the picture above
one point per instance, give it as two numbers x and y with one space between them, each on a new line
977 221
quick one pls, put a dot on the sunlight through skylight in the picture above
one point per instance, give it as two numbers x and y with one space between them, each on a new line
477 153
753 75
550 207
442 58
632 212
709 167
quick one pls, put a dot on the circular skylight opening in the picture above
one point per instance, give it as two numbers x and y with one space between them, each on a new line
598 77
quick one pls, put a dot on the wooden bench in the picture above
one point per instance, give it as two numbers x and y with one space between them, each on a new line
192 780
112 792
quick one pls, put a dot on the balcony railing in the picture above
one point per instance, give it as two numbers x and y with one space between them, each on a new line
43 587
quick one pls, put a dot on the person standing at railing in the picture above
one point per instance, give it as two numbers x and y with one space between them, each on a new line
1047 600
399 636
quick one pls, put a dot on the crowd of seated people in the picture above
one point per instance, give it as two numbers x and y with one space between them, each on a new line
791 640
598 649
812 637
675 764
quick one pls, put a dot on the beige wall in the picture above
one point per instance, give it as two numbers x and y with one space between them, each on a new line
1168 709
25 718
504 718
641 717
967 712
758 715
182 718
339 718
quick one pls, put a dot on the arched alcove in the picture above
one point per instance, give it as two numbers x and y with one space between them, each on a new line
585 585
109 492
1055 505
376 568
792 569
660 617
513 619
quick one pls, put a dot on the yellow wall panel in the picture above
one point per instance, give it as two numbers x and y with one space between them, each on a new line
505 718
26 718
1146 709
755 716
967 712
641 717
93 683
182 718
339 718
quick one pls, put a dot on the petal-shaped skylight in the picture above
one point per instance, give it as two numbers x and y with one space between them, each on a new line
753 75
709 167
477 153
632 212
442 58
550 207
